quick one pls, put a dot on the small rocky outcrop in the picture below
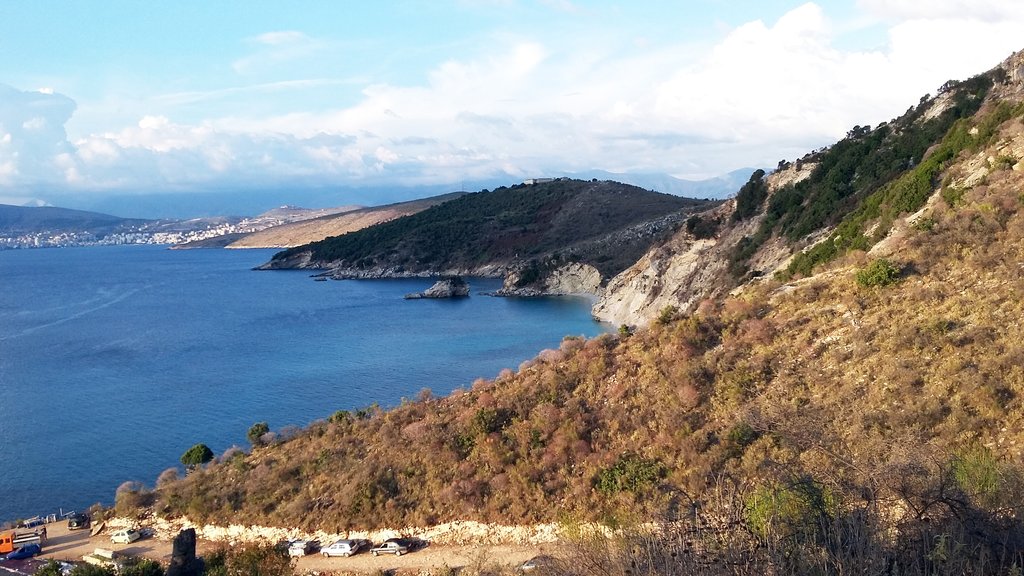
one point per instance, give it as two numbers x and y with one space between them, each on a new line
452 287
183 555
571 279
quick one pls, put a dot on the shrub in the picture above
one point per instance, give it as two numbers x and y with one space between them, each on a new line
881 272
702 228
630 473
85 570
792 510
143 567
976 471
256 432
489 420
196 456
131 496
166 477
252 560
1003 162
667 314
739 437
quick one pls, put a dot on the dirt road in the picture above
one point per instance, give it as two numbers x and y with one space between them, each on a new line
64 544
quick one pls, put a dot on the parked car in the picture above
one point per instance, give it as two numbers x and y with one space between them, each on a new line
78 521
125 536
26 551
541 563
343 548
390 546
302 547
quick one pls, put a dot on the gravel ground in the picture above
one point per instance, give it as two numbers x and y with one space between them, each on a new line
63 544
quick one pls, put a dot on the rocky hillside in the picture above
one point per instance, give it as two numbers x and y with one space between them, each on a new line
310 230
532 229
863 413
807 213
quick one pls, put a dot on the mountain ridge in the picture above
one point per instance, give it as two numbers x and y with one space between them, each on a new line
528 228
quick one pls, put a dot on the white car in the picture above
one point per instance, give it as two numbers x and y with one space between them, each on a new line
302 547
343 548
125 536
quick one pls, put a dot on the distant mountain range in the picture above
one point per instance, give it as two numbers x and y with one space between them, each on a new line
38 224
184 205
717 188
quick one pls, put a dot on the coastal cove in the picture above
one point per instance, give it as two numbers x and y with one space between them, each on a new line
114 360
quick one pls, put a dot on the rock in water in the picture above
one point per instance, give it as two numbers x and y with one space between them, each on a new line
451 287
183 555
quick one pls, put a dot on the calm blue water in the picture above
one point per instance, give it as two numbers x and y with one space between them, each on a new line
115 360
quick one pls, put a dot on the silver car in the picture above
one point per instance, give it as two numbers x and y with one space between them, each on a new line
390 546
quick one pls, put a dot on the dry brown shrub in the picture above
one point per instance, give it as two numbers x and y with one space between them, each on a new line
166 477
549 356
689 396
485 400
756 331
415 431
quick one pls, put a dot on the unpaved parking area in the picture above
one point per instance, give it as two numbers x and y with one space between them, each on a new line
64 544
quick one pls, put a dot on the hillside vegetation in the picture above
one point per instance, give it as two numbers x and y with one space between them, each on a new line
807 213
868 419
605 224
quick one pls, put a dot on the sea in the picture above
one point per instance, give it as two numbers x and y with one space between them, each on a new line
115 360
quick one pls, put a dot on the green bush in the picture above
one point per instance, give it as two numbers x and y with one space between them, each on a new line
143 567
630 473
976 471
196 456
799 509
251 560
739 437
667 314
881 272
256 432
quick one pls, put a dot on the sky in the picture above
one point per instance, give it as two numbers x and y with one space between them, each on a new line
194 97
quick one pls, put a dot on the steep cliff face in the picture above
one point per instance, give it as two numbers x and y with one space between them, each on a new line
843 199
688 268
572 279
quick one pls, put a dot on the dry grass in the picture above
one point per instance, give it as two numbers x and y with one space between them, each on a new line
872 395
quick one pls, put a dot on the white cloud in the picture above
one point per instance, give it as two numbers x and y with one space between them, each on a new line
276 48
283 37
528 106
32 124
992 11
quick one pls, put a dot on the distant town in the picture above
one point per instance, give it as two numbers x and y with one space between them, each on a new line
171 232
